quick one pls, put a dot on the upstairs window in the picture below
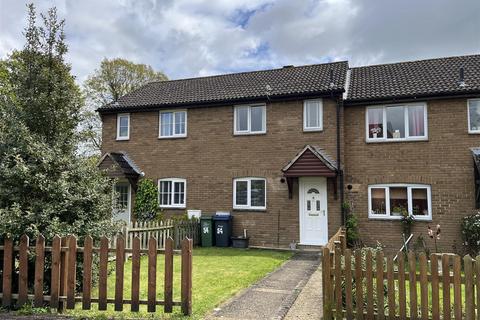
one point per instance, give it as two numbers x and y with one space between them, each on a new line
172 192
312 115
398 200
397 123
250 119
123 126
173 124
249 193
474 116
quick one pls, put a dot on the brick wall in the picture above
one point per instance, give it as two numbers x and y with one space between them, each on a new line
210 157
444 162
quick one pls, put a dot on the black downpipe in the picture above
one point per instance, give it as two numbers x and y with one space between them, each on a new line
339 160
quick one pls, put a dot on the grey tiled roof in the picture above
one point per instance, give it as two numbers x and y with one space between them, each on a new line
415 79
127 166
287 81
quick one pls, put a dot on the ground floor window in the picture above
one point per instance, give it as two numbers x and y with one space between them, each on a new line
172 192
121 203
249 193
394 201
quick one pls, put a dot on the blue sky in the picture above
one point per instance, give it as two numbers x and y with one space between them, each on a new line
188 38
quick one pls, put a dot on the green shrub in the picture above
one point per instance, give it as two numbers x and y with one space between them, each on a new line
471 233
146 201
351 226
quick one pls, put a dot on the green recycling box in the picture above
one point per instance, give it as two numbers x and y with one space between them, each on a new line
208 238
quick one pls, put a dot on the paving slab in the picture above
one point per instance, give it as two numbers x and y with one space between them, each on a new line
271 297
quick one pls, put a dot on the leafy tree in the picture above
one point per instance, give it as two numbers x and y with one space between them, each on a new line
114 79
44 186
146 201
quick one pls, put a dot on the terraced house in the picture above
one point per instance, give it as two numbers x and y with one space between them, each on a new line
283 149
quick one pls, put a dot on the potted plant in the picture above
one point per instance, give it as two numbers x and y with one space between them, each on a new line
375 131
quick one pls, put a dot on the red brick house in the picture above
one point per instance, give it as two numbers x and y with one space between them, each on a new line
283 149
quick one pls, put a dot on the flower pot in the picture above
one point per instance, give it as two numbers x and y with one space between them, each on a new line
240 242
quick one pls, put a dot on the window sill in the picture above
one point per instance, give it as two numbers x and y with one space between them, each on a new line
122 139
429 219
473 132
249 210
396 140
306 130
249 133
171 207
172 137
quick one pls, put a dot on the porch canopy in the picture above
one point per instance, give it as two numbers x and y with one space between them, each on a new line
311 161
476 162
119 165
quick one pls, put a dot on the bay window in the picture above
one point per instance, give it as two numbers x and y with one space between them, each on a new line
173 124
250 119
172 193
249 193
397 122
395 201
474 116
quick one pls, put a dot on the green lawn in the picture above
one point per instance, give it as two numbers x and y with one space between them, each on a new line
218 273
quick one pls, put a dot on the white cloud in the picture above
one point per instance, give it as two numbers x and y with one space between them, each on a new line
188 38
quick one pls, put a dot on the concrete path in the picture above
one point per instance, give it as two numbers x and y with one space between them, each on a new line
309 303
272 297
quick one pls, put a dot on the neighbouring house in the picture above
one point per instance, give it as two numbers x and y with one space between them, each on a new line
284 149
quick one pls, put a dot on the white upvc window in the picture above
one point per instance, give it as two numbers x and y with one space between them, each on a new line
250 119
123 126
474 116
394 201
400 122
313 115
250 193
172 192
172 124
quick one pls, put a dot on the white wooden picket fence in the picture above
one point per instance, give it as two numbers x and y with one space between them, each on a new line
161 231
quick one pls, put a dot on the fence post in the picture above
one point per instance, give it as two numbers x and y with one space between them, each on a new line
338 284
435 286
119 273
71 274
327 294
63 274
39 270
23 271
87 273
359 283
457 286
187 246
135 294
412 269
55 276
168 287
391 289
348 283
152 275
446 286
379 278
369 279
402 293
469 294
7 272
424 286
103 274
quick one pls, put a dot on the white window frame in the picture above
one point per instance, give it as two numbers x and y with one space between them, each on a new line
387 215
174 135
249 191
249 120
470 131
320 113
405 110
172 205
120 115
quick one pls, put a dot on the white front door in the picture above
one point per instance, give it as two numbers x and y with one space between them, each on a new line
313 210
122 205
